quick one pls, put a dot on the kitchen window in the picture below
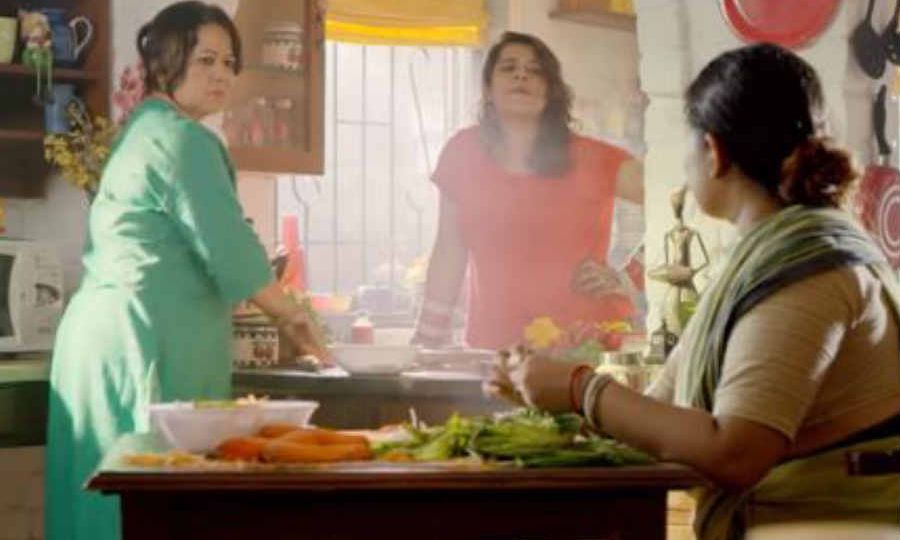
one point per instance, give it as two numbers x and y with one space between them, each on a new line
373 215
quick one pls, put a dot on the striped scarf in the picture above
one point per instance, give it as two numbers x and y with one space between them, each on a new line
795 243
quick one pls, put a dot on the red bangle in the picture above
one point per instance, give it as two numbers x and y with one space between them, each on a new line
575 386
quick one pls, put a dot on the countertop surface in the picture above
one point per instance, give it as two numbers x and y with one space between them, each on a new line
336 380
25 369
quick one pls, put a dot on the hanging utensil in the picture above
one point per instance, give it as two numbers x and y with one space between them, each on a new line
879 119
891 37
868 46
878 197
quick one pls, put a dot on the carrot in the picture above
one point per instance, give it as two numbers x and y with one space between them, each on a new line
322 437
327 436
241 448
280 451
276 429
300 436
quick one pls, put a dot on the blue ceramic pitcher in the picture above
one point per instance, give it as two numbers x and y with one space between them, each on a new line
70 36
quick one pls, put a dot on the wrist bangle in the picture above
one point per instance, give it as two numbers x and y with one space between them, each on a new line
592 393
575 393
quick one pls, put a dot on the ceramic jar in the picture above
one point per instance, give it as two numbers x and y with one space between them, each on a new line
254 344
282 46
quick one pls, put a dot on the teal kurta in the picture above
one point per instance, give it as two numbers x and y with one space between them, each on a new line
168 252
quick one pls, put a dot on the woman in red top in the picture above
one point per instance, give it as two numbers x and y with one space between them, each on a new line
526 206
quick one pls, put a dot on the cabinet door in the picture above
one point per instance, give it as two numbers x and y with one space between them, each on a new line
275 120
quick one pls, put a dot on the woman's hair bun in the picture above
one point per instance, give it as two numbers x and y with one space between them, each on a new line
816 174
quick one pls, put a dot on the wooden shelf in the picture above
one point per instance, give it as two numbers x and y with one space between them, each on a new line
595 13
23 169
278 72
21 135
63 74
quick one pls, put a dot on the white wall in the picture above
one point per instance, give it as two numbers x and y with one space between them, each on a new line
676 39
600 64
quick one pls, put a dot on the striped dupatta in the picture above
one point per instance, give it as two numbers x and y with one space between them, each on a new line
793 244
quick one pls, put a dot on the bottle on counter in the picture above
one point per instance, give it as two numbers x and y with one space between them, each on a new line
293 275
362 332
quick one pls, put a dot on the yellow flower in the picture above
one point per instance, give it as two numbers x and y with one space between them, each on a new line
542 332
614 326
81 153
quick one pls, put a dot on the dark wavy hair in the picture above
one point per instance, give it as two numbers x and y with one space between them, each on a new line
166 42
550 156
761 101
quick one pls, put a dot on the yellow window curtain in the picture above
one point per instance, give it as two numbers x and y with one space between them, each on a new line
406 22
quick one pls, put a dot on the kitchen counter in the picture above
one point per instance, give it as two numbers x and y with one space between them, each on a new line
25 369
24 391
396 501
354 401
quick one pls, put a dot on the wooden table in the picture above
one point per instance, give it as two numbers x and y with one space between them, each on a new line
375 501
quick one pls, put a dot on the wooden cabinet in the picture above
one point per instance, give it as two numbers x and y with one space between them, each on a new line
275 120
618 14
23 171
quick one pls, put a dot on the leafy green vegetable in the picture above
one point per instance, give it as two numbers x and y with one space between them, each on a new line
527 437
449 442
519 435
592 452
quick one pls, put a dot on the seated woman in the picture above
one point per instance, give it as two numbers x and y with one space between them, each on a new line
792 358
526 209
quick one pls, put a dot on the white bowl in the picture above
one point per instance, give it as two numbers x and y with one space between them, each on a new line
374 359
186 426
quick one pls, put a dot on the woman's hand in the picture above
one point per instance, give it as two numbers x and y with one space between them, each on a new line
304 335
527 378
596 280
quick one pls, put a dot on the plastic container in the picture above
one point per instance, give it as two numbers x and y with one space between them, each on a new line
374 359
199 428
362 332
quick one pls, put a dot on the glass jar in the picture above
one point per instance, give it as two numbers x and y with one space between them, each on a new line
282 46
282 131
261 124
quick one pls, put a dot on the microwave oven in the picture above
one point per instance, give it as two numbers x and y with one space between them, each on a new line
31 295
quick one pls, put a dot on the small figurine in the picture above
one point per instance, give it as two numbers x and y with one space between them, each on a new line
38 52
679 270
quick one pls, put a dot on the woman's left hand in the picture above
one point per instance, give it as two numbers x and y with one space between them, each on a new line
532 379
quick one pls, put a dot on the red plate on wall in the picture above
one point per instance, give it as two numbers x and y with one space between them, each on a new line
789 23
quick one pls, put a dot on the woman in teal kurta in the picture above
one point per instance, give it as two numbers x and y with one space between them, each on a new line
167 255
